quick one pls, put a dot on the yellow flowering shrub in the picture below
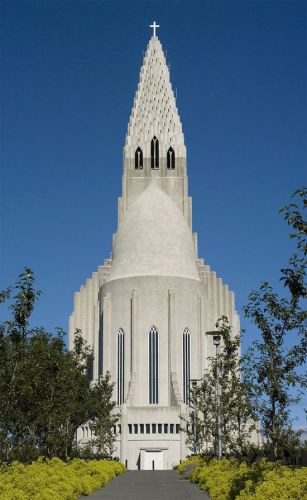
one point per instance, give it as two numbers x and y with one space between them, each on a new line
56 480
217 476
232 479
284 483
186 462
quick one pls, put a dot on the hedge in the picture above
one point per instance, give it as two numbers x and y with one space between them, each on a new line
230 479
54 479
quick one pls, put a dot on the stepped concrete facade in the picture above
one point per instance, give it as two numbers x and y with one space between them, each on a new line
145 311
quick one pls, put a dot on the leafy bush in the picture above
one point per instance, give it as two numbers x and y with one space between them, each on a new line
232 479
284 483
186 462
216 476
254 475
56 480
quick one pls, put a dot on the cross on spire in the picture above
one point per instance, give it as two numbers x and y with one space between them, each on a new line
154 26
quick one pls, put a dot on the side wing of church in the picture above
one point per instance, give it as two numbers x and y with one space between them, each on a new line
145 311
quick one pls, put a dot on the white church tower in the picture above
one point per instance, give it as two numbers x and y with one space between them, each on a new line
146 310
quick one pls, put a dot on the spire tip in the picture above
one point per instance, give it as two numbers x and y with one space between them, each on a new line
154 26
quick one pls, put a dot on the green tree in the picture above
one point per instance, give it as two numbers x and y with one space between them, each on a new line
103 416
272 363
45 393
199 435
235 411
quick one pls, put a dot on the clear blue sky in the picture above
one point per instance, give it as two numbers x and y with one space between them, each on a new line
69 74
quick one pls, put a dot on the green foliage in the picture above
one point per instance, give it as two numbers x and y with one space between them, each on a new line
103 418
216 476
188 461
231 479
283 483
56 480
235 410
271 364
45 394
294 275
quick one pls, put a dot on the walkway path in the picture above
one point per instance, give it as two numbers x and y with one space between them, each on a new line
149 485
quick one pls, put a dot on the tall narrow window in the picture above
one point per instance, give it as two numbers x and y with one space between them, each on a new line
170 158
186 348
120 366
154 152
138 158
153 340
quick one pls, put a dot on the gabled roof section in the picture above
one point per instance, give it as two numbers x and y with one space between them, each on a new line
154 111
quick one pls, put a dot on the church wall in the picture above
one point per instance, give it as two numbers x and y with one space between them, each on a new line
152 294
216 300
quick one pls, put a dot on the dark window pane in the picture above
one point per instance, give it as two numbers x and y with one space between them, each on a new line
153 340
170 158
138 162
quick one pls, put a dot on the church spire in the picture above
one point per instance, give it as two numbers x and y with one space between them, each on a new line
154 144
154 126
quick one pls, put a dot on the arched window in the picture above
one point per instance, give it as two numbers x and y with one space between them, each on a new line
186 359
153 340
170 158
138 162
154 152
120 366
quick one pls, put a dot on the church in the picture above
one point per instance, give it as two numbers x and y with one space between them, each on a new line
145 311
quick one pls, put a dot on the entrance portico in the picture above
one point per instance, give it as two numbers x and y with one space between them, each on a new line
153 459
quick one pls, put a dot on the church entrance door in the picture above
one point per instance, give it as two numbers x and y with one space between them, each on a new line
153 460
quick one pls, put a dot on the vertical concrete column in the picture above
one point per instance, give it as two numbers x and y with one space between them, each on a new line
90 314
213 300
226 311
96 341
106 306
195 241
135 372
77 310
231 298
86 312
81 324
71 330
134 330
237 327
199 373
220 304
171 342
